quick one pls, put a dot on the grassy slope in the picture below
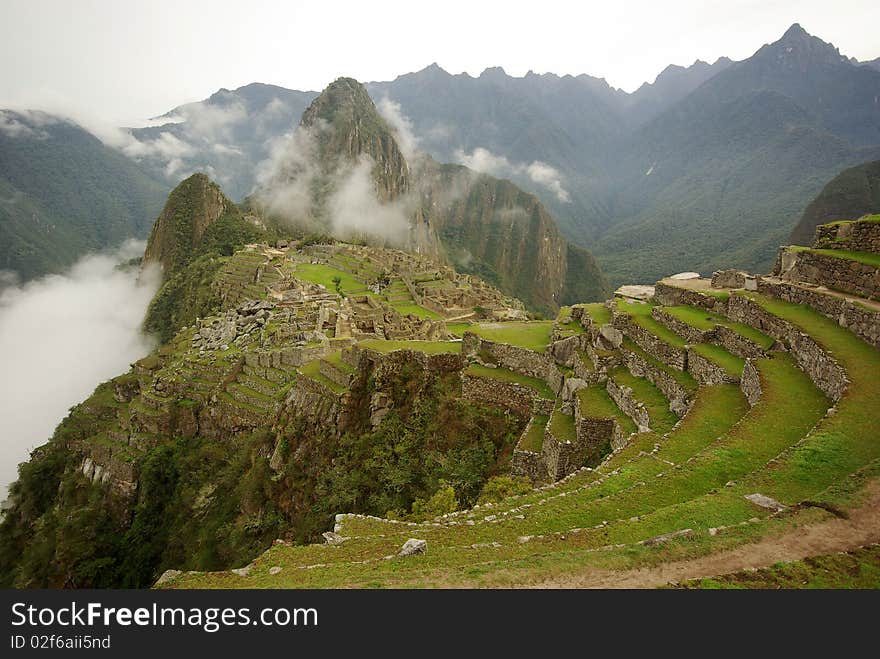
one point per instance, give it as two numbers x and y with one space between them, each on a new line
532 335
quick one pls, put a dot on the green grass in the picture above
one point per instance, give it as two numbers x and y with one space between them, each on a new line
869 218
641 315
318 273
562 426
428 347
595 403
598 312
505 375
312 370
705 320
867 258
533 335
731 364
683 378
335 359
856 569
533 439
784 447
458 329
662 419
416 310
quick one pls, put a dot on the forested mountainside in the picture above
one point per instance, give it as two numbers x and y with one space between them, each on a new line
64 193
852 193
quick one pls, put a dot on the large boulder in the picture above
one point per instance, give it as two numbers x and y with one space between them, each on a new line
412 547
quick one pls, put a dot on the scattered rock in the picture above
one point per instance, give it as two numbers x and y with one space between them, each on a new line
242 571
274 570
765 502
660 539
332 538
167 576
412 547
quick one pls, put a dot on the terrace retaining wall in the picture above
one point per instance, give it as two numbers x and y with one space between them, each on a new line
837 273
855 236
821 367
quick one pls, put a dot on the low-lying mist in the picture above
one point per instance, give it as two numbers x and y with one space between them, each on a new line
60 336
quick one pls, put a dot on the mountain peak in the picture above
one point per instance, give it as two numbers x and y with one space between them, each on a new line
797 47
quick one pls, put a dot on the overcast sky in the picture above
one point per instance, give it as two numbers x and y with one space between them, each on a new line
123 61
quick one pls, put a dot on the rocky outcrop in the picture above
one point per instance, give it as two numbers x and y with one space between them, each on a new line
193 206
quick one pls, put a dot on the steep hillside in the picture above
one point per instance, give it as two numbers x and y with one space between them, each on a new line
197 228
63 193
226 135
849 195
482 224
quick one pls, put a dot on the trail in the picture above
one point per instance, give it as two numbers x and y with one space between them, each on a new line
862 527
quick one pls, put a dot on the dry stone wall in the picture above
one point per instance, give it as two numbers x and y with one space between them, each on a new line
860 320
489 391
668 296
839 274
855 236
821 367
705 371
654 346
624 399
687 332
514 358
679 398
750 383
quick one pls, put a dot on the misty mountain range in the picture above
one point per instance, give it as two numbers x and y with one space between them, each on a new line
709 166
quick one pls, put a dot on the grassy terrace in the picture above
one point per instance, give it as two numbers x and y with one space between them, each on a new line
868 258
598 312
641 316
842 442
318 273
533 335
533 439
416 310
859 568
312 370
562 426
504 375
685 379
705 320
428 347
594 402
335 359
662 419
869 218
458 329
721 440
731 364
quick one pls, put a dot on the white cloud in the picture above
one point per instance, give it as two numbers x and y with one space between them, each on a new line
60 336
401 125
483 160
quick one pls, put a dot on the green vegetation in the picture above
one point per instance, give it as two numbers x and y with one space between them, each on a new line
534 437
705 320
326 276
65 194
312 370
505 375
859 568
600 314
533 335
595 403
685 379
458 329
731 364
662 419
562 426
499 488
867 258
641 315
416 310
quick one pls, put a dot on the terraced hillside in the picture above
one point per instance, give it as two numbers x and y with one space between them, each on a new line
690 433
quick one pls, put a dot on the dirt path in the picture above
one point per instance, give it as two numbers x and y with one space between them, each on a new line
862 527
